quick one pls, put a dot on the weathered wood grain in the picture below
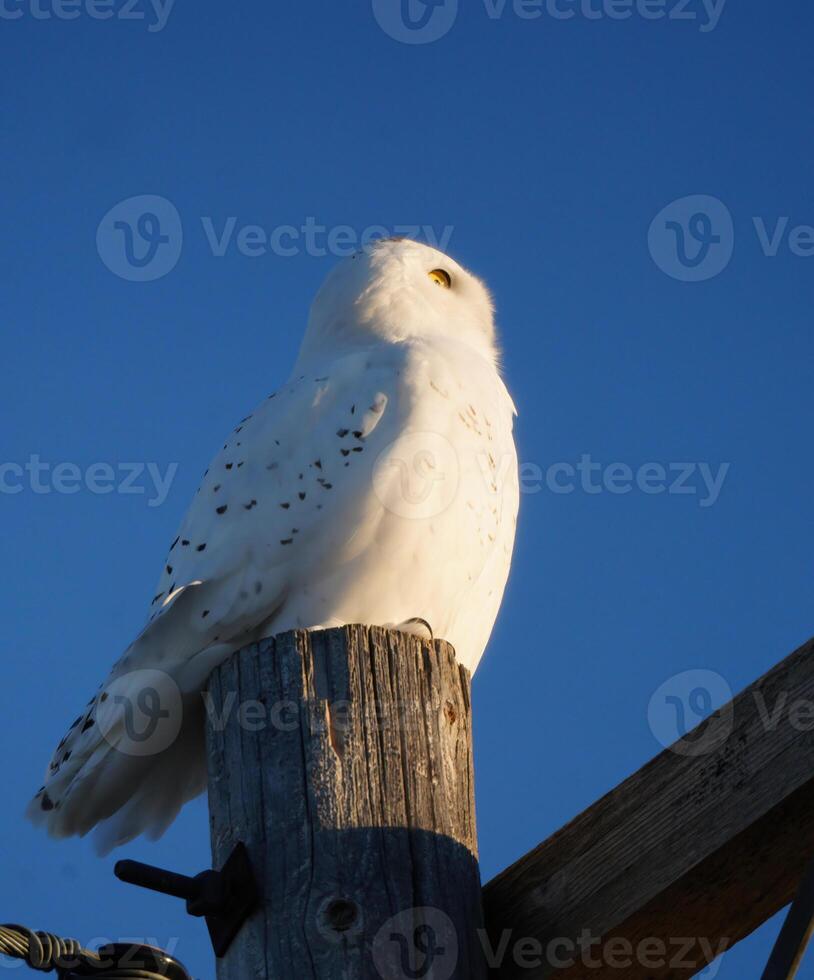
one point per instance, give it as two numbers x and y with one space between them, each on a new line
343 760
702 845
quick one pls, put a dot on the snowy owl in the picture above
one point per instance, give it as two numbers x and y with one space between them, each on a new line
378 486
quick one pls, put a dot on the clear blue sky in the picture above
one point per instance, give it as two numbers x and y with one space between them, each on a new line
549 146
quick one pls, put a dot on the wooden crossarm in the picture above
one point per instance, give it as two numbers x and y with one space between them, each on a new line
685 858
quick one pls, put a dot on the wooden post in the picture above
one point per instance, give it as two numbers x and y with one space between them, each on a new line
343 760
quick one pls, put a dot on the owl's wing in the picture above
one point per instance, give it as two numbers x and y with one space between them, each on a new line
288 489
277 496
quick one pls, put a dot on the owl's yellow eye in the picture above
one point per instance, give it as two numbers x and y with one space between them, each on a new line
441 278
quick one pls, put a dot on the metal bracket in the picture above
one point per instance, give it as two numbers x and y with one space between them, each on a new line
224 898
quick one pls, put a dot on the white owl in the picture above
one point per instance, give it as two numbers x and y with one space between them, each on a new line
379 485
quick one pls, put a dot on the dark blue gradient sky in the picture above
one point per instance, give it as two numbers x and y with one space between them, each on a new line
548 146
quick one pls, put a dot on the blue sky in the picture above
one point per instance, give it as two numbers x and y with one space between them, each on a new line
548 150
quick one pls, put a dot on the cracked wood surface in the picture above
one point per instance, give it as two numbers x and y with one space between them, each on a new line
343 760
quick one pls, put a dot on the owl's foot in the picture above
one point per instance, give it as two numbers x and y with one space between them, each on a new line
418 627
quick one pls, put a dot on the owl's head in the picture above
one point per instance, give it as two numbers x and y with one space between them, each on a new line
395 290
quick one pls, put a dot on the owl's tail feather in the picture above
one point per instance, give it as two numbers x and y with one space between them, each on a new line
137 754
122 795
179 775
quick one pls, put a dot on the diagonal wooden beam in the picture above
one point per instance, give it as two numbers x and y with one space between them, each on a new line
683 859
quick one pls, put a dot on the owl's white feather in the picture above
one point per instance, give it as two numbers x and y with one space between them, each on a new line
379 484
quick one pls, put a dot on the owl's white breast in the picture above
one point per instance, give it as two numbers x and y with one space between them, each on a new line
431 530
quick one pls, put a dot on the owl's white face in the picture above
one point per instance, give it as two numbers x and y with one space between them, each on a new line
398 290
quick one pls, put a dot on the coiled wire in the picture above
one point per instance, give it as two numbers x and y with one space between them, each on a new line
119 961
